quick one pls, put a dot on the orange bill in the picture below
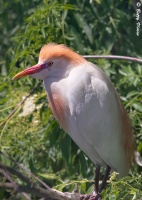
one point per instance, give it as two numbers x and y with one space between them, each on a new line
31 70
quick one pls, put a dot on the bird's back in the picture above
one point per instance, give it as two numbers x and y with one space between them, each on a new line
98 122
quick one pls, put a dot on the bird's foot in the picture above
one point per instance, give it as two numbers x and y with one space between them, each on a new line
97 197
90 197
85 197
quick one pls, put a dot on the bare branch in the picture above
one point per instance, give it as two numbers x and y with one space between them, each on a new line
35 177
30 187
40 192
7 186
132 59
26 196
17 173
27 171
8 177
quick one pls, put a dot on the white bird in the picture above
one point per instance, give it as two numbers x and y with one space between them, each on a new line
87 106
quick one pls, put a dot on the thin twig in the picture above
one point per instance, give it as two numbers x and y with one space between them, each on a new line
27 171
35 177
17 173
18 106
132 59
26 196
8 177
22 188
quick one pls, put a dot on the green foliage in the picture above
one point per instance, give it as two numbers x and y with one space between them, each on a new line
126 188
36 140
13 14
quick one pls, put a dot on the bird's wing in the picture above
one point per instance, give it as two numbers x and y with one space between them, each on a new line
95 120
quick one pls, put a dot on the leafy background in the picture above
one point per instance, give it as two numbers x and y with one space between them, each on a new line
35 139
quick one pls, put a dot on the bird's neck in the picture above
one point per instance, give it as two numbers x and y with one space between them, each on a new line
57 101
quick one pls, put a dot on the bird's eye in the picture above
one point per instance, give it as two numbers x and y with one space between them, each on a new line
46 65
50 64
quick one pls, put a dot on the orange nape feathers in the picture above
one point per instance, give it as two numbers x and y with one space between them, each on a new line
53 50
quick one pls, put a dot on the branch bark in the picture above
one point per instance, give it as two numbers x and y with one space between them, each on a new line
8 177
15 172
50 194
113 57
23 168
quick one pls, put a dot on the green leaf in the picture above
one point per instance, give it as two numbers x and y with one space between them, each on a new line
122 72
132 93
83 164
66 148
138 106
50 177
90 189
83 24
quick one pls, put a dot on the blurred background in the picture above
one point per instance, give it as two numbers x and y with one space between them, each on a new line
32 136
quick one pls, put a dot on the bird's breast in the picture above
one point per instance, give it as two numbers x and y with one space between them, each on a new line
58 103
59 109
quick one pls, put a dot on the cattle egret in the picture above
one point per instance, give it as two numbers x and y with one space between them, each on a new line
87 106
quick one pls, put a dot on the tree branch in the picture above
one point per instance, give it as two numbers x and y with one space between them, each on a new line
17 173
50 194
132 59
30 187
23 168
8 177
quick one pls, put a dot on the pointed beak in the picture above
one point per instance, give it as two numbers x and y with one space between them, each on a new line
31 70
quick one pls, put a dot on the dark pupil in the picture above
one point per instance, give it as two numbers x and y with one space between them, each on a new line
49 64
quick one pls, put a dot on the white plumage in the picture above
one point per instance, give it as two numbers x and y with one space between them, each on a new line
93 118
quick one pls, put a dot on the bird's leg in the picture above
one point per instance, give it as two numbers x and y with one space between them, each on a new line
107 172
96 186
97 174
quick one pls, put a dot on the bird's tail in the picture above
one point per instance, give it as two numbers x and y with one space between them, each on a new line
128 138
